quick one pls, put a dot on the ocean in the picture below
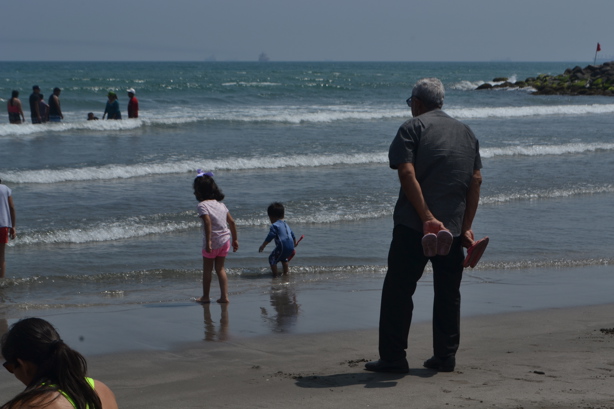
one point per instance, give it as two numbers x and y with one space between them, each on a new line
107 217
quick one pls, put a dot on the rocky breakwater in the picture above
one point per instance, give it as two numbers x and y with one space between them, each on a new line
591 80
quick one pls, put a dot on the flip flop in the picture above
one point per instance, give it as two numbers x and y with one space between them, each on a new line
444 242
429 245
474 253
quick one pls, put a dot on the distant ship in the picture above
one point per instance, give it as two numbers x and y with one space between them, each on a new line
263 57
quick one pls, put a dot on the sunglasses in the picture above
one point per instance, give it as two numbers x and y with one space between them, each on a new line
408 100
9 367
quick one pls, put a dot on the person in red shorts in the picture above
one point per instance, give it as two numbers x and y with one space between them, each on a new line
133 104
7 223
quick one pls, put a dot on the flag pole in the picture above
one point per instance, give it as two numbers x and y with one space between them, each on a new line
596 51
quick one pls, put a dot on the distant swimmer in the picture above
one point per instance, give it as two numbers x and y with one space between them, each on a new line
55 110
43 108
112 110
14 108
133 104
91 117
34 106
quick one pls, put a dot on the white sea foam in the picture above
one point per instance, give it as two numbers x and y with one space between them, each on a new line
63 127
292 115
466 85
543 150
129 171
136 227
125 229
251 84
530 111
472 85
139 227
547 194
109 172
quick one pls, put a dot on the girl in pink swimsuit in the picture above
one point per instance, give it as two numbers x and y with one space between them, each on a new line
218 229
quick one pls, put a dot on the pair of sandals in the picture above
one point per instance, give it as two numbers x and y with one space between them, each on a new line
439 245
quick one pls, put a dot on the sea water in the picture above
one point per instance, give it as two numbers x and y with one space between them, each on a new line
107 217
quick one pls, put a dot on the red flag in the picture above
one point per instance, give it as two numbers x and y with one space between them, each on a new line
598 47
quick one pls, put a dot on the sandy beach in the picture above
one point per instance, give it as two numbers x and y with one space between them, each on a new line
541 356
544 359
557 358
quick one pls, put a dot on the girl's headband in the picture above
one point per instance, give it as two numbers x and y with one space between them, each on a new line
199 173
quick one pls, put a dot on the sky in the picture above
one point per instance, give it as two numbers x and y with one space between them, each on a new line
306 30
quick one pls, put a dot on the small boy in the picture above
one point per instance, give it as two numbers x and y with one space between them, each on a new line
284 238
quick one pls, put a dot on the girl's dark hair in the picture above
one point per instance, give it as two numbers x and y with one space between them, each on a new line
60 368
14 94
205 188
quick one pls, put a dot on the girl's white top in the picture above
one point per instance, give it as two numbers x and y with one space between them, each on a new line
217 211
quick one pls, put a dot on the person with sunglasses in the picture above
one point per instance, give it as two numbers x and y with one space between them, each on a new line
437 159
55 375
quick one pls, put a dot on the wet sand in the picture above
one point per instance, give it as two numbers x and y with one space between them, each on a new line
538 357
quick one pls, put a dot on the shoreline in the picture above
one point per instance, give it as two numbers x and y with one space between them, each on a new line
296 307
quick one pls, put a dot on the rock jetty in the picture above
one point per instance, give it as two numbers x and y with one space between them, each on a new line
591 80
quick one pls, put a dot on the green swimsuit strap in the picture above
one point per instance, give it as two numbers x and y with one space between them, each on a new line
90 382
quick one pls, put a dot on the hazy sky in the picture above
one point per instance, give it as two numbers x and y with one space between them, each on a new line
307 30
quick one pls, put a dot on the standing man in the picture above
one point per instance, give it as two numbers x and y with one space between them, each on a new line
55 111
35 114
438 163
7 223
133 104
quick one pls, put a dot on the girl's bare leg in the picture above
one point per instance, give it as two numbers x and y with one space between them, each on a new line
222 278
207 275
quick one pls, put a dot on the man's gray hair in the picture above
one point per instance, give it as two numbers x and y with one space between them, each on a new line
430 91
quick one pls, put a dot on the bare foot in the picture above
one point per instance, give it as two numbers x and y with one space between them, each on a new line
203 300
223 300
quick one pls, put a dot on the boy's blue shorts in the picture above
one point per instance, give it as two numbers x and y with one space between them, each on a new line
278 254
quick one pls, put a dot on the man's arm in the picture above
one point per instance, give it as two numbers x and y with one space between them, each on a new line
57 104
413 191
473 198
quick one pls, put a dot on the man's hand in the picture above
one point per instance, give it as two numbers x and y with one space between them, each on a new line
467 239
432 226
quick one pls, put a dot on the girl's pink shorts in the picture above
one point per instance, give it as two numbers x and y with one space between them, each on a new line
221 252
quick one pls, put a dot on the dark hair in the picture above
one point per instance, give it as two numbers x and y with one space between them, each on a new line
41 96
60 368
56 89
276 209
14 94
205 188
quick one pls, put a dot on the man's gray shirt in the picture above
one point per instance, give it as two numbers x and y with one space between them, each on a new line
444 152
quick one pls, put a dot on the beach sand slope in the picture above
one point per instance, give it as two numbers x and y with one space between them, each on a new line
556 358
